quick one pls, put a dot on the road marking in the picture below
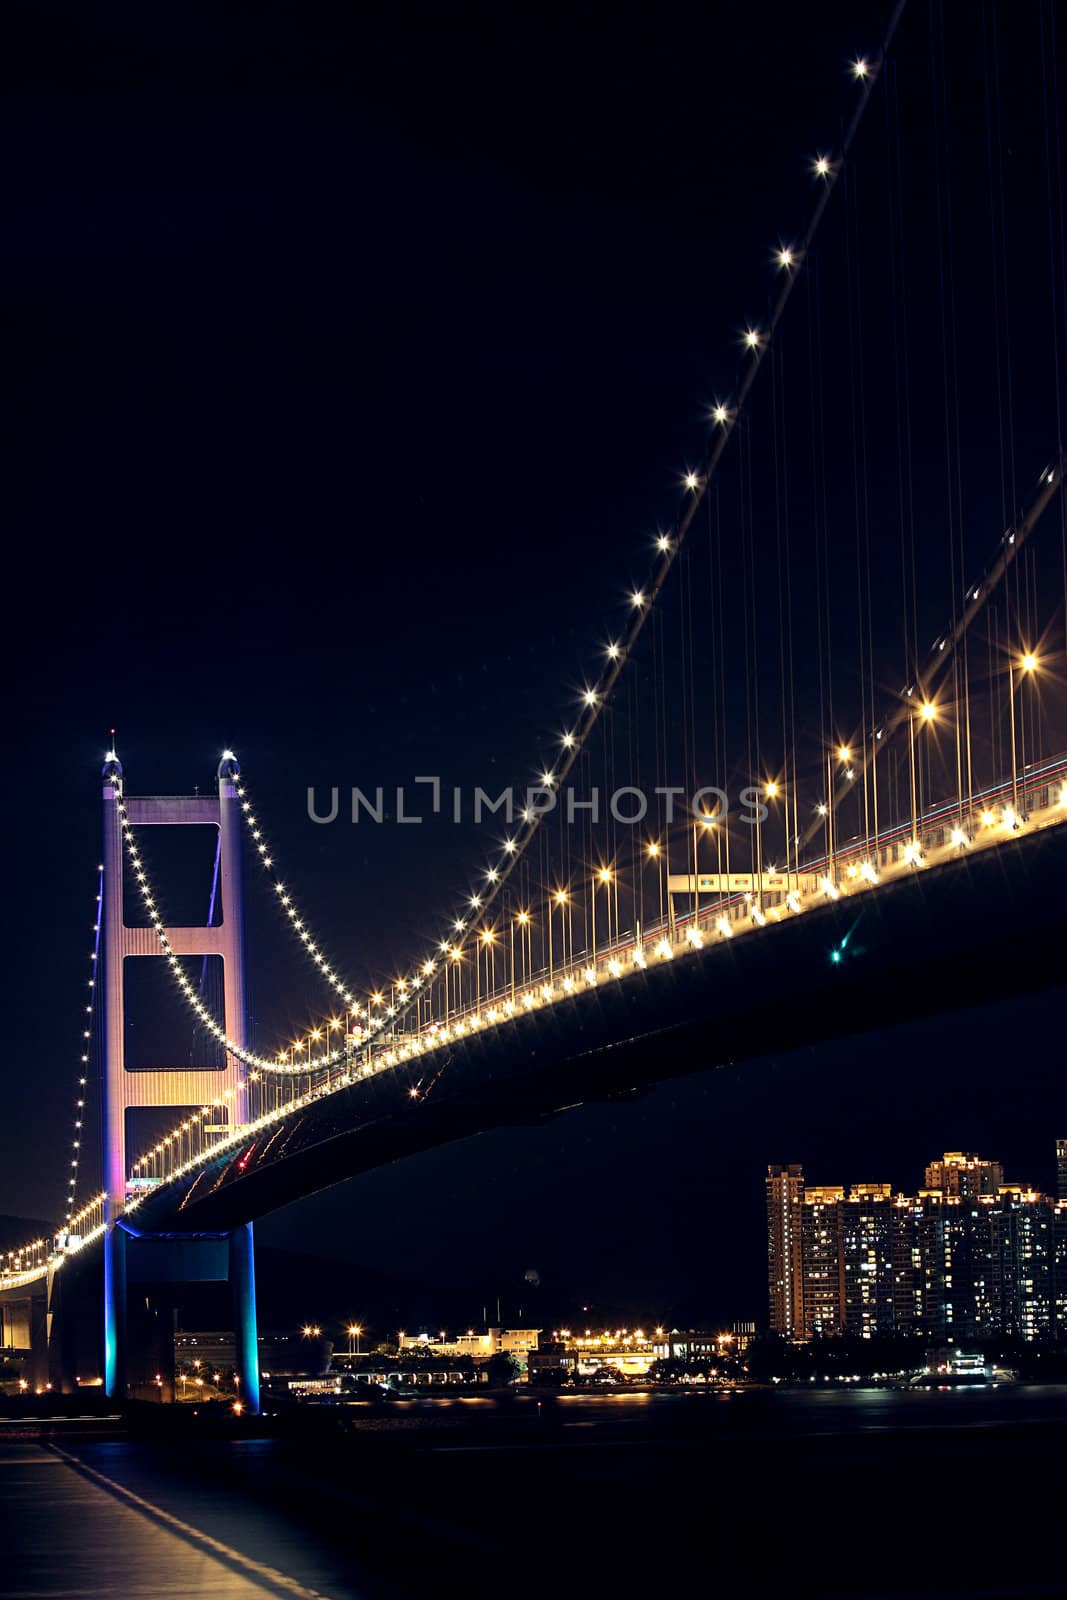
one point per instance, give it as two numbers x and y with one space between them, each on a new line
259 1569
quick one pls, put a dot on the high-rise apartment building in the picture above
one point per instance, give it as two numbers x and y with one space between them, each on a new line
967 1288
1061 1169
867 1259
785 1190
822 1260
1023 1260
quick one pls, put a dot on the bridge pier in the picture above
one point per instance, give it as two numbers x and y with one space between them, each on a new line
61 1334
116 1343
242 1267
145 1271
38 1317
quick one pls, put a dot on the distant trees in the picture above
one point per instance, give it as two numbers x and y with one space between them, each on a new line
835 1356
501 1369
673 1369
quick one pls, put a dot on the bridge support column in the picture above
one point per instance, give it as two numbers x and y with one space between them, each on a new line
116 1337
223 1085
62 1335
38 1309
243 1291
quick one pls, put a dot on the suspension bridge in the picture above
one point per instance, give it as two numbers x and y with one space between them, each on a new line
814 779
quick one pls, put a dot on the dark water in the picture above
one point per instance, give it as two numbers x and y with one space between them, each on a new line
836 1492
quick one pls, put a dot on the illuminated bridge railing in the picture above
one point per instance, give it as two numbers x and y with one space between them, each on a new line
1038 800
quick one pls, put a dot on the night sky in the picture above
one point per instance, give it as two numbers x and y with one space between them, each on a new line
353 355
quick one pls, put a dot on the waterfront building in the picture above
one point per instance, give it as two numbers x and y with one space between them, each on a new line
517 1342
867 1260
785 1278
822 1261
968 1257
1023 1259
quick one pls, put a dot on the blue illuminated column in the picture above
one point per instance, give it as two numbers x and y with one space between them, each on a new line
115 1311
243 1291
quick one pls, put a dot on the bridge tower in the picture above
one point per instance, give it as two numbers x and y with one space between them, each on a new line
131 1256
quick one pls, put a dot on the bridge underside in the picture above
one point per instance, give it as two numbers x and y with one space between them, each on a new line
984 927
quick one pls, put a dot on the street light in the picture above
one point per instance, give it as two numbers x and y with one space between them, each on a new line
562 899
522 918
654 851
603 876
488 942
1027 665
926 715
